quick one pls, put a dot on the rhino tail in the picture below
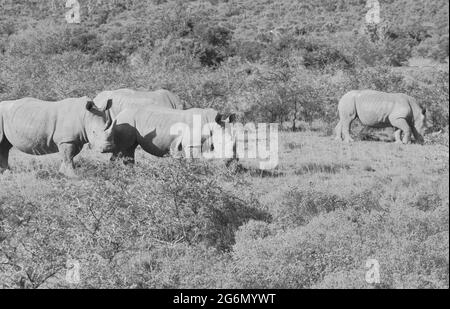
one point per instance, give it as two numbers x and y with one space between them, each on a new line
347 105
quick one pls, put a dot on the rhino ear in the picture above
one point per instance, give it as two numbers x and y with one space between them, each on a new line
219 119
232 118
108 104
90 105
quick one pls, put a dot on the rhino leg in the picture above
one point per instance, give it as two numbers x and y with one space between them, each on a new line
346 125
114 156
398 136
68 152
127 156
5 146
403 126
176 147
338 131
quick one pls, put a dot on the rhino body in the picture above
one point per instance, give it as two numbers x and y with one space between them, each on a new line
380 110
155 130
39 127
129 98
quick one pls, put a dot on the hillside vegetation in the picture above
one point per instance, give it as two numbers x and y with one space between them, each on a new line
268 60
313 222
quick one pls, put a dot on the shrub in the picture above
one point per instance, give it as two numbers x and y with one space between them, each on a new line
112 53
432 92
7 28
82 40
300 207
377 78
320 55
331 251
114 213
215 42
174 266
249 50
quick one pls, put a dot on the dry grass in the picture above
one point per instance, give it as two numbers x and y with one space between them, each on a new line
317 182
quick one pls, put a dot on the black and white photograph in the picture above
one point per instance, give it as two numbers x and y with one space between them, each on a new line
225 150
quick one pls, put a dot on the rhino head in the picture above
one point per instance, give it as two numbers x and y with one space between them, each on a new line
99 127
221 142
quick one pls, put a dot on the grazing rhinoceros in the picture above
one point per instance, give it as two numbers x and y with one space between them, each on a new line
380 110
162 131
39 127
129 98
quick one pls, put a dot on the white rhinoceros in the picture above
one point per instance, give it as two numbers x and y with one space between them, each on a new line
39 127
162 131
129 98
380 110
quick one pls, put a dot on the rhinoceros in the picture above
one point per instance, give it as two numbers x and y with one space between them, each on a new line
129 98
39 127
162 131
380 110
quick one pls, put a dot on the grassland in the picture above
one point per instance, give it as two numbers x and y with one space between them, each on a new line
312 222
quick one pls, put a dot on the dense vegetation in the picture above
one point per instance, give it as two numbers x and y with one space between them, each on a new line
311 223
168 223
269 60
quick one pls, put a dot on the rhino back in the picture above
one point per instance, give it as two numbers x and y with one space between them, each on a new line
153 126
36 127
129 98
170 98
376 108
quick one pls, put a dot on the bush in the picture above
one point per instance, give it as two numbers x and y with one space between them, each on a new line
379 78
300 207
331 251
322 56
111 53
397 52
7 28
82 40
115 214
215 43
174 266
432 92
249 50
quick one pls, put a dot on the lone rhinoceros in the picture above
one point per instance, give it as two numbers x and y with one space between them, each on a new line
38 127
162 131
380 110
129 98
